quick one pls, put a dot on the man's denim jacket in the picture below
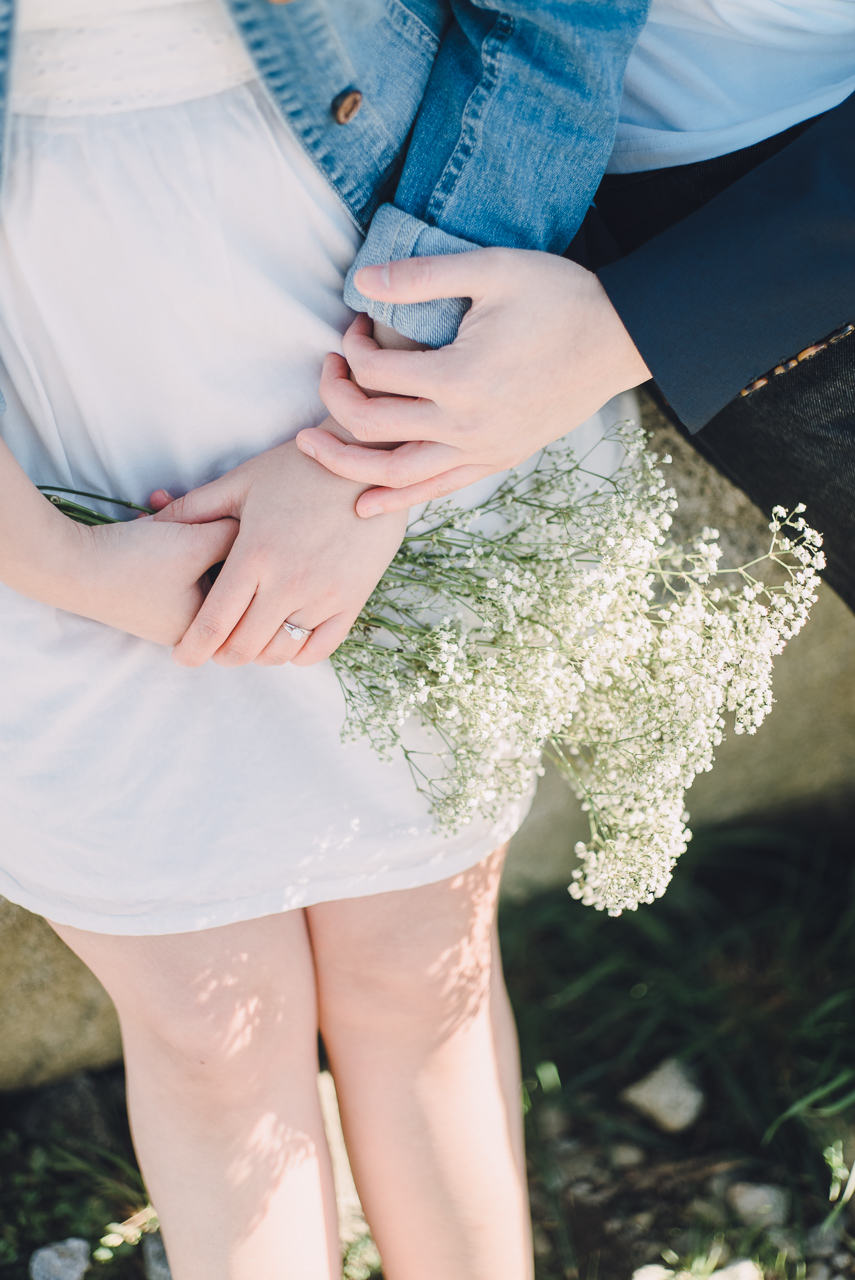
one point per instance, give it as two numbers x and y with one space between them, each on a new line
475 125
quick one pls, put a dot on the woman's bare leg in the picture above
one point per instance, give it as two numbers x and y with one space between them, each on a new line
220 1036
423 1049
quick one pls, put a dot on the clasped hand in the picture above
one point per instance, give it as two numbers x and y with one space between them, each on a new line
539 351
301 555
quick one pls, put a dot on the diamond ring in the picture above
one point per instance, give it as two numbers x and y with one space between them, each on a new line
295 632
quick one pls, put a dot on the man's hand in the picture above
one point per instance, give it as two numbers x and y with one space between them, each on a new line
301 555
540 350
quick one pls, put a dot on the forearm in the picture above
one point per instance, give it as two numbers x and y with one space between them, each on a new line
39 547
763 270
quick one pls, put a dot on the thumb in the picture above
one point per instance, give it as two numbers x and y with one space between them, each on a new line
456 275
208 502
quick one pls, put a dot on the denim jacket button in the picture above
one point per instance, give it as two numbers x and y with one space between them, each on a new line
345 105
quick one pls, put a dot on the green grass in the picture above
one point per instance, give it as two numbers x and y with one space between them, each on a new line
744 970
55 1181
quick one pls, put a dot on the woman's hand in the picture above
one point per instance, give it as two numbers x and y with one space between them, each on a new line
540 350
141 577
302 555
144 578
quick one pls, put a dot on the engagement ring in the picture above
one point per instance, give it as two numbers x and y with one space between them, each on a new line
295 632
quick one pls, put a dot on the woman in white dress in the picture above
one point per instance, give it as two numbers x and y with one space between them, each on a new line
171 269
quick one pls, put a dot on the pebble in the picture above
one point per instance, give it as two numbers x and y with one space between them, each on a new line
822 1241
643 1220
759 1204
668 1096
541 1243
785 1241
552 1122
653 1271
154 1257
744 1269
66 1260
625 1155
574 1163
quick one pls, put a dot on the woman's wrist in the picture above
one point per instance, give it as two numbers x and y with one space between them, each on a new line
42 552
48 556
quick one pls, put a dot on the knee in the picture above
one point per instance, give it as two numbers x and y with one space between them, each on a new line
213 1010
218 1042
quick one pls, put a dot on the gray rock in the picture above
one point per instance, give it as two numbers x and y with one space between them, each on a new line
668 1096
541 1244
643 1220
821 1241
818 1271
759 1204
785 1241
552 1122
575 1162
154 1257
625 1155
66 1260
56 1016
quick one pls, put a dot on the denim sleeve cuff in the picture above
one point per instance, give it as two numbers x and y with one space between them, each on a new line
394 235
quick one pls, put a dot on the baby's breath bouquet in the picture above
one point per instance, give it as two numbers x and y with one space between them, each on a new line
559 617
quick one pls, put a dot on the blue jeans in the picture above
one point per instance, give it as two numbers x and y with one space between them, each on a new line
792 440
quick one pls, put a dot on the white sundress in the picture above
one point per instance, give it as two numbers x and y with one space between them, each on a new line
171 268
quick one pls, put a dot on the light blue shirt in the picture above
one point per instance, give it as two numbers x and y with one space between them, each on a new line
708 77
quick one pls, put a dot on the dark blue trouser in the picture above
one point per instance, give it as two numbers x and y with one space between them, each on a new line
794 441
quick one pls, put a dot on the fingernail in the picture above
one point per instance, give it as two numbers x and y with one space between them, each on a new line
370 280
366 510
307 449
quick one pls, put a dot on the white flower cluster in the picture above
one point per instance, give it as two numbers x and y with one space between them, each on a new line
561 617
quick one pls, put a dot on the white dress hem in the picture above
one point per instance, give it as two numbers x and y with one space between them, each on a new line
290 898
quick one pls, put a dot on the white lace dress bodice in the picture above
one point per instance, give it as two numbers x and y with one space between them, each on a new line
77 57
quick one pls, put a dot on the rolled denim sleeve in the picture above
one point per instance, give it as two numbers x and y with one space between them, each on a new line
510 142
394 235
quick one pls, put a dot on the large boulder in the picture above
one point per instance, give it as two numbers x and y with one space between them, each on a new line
56 1017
